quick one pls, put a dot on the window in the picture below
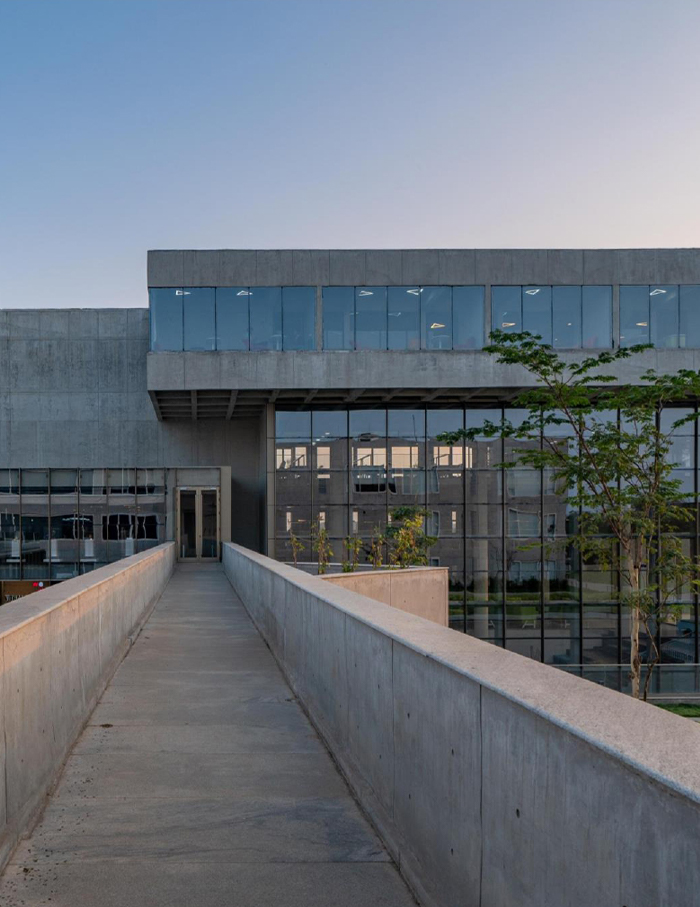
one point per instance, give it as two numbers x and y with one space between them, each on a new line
663 316
537 312
506 309
370 318
436 318
404 318
232 320
200 321
467 318
299 318
596 317
265 318
338 318
689 317
165 312
566 317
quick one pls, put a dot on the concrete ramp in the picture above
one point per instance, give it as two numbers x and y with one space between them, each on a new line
199 782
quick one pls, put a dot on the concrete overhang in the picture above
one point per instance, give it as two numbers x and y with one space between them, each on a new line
226 385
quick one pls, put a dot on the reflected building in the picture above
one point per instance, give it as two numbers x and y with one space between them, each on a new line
263 392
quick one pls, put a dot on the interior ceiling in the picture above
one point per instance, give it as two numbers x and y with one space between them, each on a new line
203 405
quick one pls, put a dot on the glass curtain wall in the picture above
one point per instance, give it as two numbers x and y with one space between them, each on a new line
567 317
664 315
514 579
57 523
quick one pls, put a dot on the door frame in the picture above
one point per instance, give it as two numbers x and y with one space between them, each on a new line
198 489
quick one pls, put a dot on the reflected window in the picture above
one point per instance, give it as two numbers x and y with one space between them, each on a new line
370 318
596 317
404 318
200 321
436 318
467 318
338 318
566 317
265 318
506 309
299 318
232 318
537 312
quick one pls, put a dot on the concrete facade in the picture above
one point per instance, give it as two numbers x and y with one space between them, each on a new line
422 591
58 648
495 781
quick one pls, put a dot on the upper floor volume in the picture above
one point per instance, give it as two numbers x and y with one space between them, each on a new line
434 300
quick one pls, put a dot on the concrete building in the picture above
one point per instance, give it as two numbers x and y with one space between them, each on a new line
268 390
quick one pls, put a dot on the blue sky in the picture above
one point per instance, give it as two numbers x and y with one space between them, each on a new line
131 125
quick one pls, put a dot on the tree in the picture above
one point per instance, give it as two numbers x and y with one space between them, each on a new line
353 547
608 447
320 543
409 542
297 546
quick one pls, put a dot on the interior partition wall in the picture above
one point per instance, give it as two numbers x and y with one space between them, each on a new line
516 579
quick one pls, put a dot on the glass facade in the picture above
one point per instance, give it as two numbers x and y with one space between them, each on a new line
232 318
57 523
567 317
413 318
348 469
666 316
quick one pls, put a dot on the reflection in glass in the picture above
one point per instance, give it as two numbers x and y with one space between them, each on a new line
338 318
35 523
634 315
299 318
506 309
404 318
663 313
436 318
467 318
370 318
537 312
200 329
165 313
10 541
596 317
690 317
566 317
232 322
265 318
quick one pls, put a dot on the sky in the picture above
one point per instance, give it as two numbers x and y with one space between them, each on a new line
128 125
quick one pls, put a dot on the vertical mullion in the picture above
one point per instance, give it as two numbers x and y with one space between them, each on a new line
542 552
21 525
503 472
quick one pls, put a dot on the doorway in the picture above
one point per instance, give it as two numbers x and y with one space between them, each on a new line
198 530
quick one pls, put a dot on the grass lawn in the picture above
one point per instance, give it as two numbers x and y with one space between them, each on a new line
685 709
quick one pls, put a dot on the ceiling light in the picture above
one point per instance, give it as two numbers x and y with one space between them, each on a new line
413 292
436 324
243 293
508 324
657 292
365 293
642 324
533 292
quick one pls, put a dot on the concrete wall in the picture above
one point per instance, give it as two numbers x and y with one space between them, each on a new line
73 394
58 649
422 591
494 780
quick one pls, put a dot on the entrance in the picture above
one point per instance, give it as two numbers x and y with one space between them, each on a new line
198 533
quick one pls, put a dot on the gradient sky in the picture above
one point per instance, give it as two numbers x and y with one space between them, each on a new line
131 125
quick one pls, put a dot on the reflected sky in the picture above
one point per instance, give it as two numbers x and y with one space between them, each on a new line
136 125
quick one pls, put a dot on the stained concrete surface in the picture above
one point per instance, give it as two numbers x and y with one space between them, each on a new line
199 781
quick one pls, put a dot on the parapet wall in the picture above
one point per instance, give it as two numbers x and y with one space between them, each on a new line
58 649
422 591
495 781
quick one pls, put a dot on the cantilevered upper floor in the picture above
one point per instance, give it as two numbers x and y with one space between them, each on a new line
233 329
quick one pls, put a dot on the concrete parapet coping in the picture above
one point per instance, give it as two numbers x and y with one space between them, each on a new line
648 739
17 614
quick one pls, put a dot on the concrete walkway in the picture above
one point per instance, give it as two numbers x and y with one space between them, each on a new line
200 782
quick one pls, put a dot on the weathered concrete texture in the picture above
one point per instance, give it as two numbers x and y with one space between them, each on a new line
495 781
199 781
422 591
58 648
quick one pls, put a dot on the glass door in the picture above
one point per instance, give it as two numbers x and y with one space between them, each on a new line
198 533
